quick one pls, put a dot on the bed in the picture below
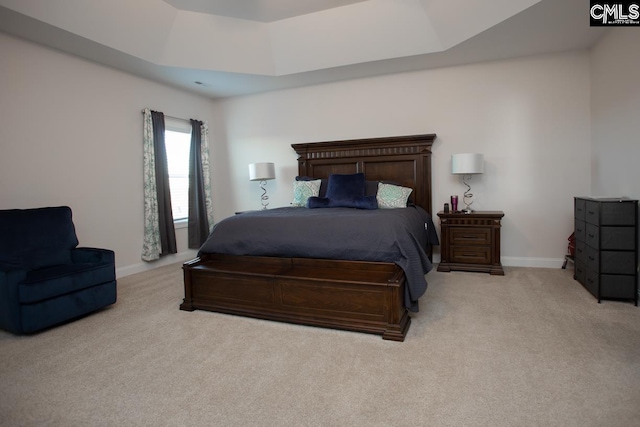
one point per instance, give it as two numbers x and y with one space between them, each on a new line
371 293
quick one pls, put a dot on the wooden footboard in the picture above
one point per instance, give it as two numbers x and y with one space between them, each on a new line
352 295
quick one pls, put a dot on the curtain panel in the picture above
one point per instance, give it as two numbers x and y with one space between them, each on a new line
199 186
159 232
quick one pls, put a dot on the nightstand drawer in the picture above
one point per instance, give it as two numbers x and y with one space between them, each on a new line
470 236
471 254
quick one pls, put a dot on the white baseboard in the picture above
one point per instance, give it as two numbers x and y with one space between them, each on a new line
187 255
531 262
165 260
508 261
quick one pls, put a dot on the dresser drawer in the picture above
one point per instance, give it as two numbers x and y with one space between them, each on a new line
470 236
581 250
610 285
580 230
610 213
591 281
617 286
580 272
617 262
607 238
471 254
610 262
579 209
622 238
592 212
592 258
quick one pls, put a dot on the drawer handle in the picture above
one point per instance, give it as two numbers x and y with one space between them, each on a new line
592 258
591 213
591 235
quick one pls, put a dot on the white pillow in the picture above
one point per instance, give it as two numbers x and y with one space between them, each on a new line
302 190
392 196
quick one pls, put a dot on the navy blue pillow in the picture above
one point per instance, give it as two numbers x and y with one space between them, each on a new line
345 187
363 202
345 191
370 187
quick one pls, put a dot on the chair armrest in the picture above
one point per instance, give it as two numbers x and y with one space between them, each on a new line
11 276
92 255
9 298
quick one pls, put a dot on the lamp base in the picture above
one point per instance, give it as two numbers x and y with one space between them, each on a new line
264 199
467 197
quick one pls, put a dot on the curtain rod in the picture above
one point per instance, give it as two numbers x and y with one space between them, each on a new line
171 117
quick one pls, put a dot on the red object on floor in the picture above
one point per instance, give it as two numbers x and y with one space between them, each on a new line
572 244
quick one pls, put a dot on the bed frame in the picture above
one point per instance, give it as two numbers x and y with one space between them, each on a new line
351 295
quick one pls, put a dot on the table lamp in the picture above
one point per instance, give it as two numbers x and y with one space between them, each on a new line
262 172
467 165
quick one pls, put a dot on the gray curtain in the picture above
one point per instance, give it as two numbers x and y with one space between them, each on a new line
165 215
198 217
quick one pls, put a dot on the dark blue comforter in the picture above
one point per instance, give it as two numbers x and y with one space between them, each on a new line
401 236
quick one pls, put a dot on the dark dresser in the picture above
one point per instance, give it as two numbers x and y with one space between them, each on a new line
606 259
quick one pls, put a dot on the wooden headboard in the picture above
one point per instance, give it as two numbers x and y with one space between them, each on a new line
405 160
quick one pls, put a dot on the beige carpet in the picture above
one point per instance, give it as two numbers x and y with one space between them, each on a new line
532 348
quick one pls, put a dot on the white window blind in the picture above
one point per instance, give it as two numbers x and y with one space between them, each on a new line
177 142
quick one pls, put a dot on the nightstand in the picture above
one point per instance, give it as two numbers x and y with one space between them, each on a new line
470 242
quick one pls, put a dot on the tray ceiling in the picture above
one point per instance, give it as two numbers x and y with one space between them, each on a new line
222 48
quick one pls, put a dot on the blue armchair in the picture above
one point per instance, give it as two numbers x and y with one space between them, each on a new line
45 279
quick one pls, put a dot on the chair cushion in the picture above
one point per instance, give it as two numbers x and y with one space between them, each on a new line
37 238
45 257
50 282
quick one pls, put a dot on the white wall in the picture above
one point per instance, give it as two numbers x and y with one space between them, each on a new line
530 117
71 134
615 107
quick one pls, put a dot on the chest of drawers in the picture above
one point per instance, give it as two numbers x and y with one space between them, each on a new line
470 242
606 259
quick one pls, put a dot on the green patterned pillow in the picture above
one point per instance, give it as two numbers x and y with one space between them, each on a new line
302 190
392 196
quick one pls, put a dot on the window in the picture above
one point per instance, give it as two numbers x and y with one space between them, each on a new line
177 143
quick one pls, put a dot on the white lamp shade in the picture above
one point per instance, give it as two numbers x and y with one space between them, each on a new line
467 163
262 171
